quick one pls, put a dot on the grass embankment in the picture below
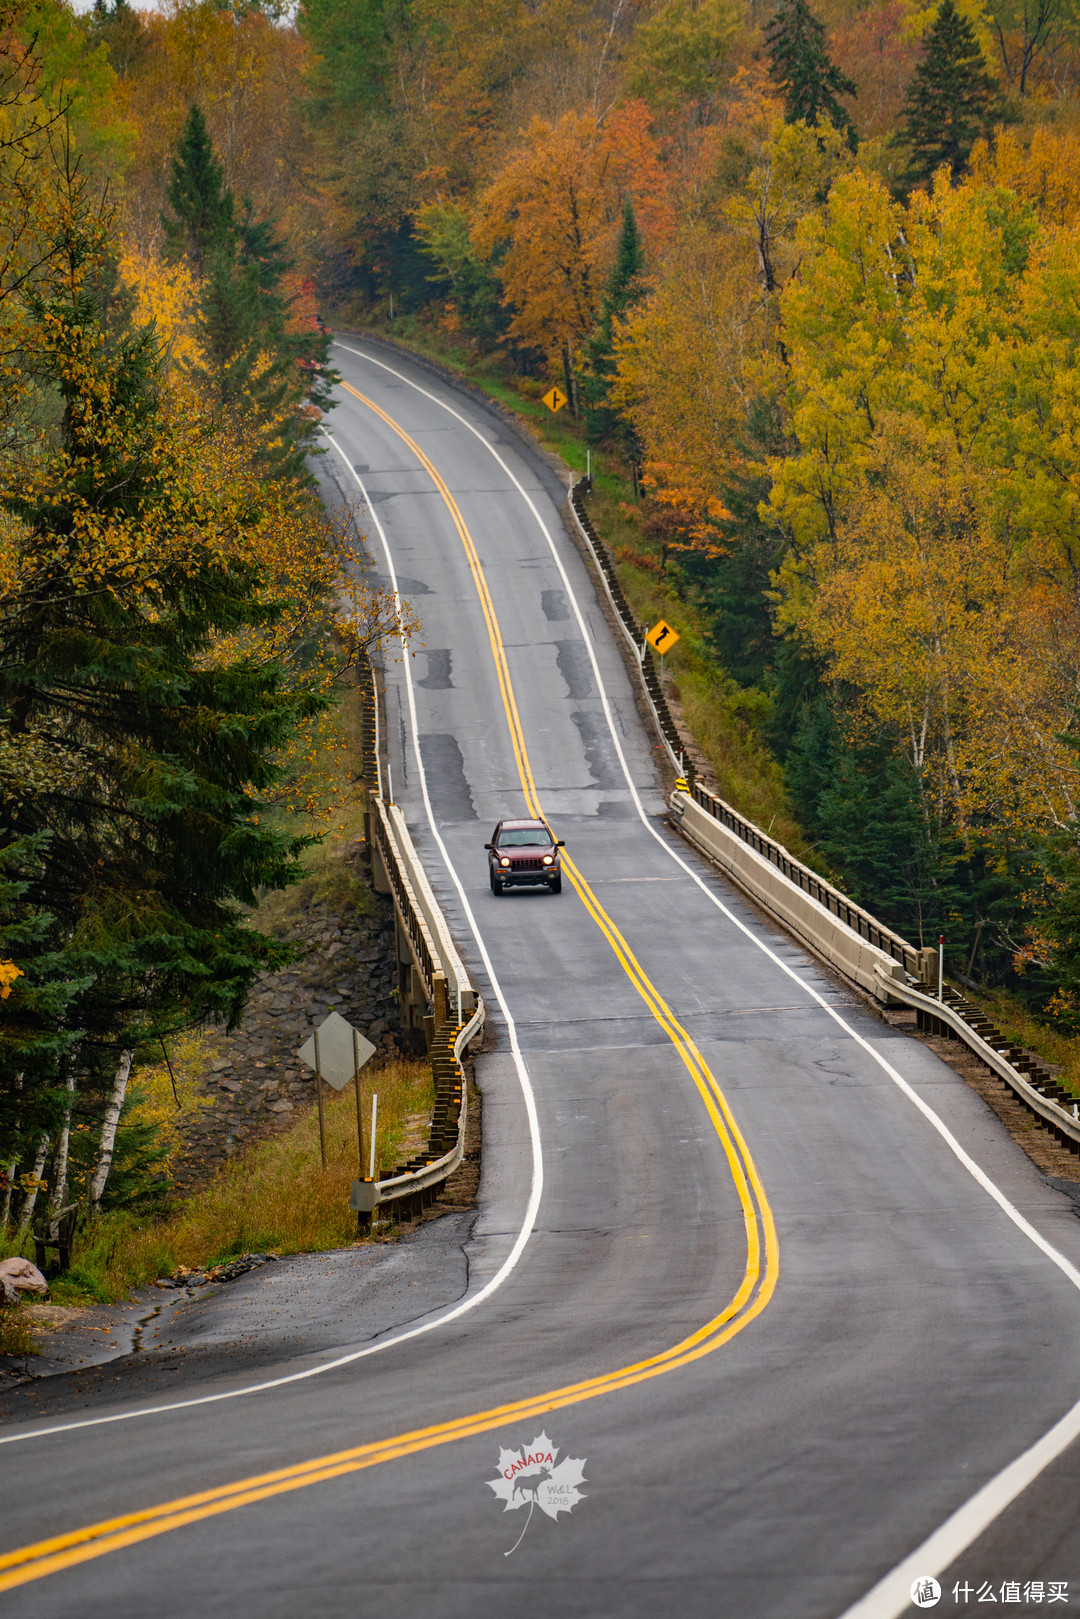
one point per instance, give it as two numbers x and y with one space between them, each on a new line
723 718
276 1197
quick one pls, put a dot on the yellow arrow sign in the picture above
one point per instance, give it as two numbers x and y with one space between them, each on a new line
555 399
662 637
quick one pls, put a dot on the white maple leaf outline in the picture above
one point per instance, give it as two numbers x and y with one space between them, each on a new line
559 1493
537 1479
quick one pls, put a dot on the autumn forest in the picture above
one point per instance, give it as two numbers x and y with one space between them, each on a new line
810 278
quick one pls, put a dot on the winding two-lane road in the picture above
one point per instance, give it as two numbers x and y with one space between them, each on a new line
722 1253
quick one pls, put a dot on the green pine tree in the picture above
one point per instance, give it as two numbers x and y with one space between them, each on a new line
256 367
36 1030
201 222
625 285
734 589
803 72
229 328
131 760
951 99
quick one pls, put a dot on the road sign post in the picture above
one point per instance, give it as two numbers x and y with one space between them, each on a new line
318 1093
337 1052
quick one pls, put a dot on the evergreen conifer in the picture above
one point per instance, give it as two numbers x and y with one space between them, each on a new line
201 223
804 73
731 584
625 285
256 368
951 99
132 759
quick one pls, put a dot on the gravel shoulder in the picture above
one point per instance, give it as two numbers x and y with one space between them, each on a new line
166 1341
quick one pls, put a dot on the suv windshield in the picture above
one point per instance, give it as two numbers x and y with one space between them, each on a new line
524 837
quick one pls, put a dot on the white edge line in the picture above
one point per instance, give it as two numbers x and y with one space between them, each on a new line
892 1594
885 1600
471 1301
889 1598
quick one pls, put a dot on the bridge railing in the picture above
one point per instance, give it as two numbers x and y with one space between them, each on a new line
432 979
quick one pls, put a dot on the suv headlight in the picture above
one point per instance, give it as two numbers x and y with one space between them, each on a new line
504 861
549 860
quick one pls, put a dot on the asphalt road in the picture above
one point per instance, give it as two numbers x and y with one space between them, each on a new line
903 1341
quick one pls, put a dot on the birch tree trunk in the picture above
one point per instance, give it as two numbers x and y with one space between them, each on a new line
60 1173
108 1129
5 1213
30 1199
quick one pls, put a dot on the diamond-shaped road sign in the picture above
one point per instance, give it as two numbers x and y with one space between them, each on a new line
662 637
342 1050
555 399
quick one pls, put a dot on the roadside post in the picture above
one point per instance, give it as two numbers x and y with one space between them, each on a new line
374 1116
318 1093
337 1052
357 1065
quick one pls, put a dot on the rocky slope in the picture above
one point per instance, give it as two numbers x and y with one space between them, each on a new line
256 1081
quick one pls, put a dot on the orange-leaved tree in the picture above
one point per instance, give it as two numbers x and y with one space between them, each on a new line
551 219
1043 169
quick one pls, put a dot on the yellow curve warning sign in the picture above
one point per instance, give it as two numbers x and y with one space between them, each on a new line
555 399
662 637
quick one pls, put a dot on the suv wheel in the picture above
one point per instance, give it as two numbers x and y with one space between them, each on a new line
556 884
496 884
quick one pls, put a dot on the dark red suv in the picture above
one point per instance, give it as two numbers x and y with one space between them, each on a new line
523 852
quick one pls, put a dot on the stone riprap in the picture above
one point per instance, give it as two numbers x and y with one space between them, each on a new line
256 1080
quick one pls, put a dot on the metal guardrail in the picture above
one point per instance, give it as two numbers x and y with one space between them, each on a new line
869 954
457 1010
414 1183
397 866
850 937
955 1017
834 901
427 910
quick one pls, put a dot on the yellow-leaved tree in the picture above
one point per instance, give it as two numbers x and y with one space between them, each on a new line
700 357
915 609
932 499
688 361
167 295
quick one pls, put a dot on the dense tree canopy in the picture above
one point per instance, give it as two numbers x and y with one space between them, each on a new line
812 270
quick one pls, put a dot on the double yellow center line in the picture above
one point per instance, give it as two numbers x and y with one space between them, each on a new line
758 1282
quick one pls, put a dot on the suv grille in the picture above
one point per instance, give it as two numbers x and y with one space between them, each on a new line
528 865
